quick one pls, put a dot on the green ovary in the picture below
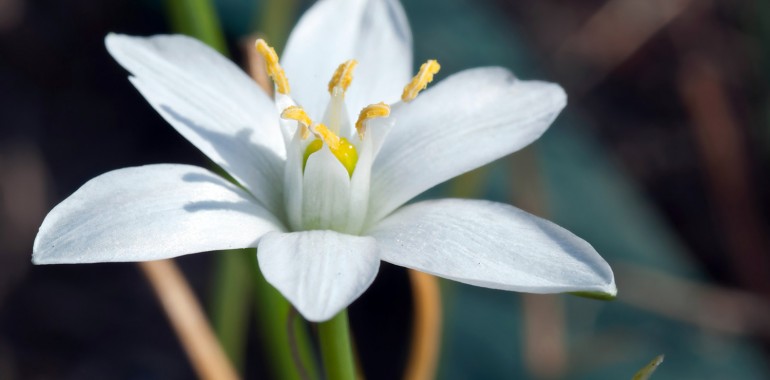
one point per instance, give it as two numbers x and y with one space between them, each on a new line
346 153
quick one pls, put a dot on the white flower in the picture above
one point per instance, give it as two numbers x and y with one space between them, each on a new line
323 214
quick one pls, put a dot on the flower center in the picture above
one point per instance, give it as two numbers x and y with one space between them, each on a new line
339 146
317 194
335 117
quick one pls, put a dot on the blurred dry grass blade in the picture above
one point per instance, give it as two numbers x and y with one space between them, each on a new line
426 327
187 317
612 35
724 153
545 351
24 181
710 307
23 194
545 348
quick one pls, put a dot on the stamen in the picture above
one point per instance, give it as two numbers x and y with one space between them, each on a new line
343 76
274 69
298 114
421 80
370 112
332 140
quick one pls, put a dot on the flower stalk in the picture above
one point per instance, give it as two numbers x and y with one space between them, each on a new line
336 350
230 305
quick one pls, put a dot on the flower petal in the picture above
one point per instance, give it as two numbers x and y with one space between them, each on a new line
149 213
293 182
359 187
465 121
374 32
491 245
319 272
212 103
325 192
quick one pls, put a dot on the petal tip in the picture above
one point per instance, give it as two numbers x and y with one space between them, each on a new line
42 257
112 39
37 260
609 293
559 95
316 316
319 272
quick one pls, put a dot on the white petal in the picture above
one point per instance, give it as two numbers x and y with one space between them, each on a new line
325 192
491 245
293 182
465 121
212 103
359 186
374 32
319 272
149 213
288 126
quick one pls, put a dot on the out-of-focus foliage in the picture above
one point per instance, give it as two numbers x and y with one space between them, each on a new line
649 369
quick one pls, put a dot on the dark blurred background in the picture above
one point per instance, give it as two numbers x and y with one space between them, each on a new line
659 161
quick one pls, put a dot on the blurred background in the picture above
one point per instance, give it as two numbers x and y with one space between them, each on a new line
659 161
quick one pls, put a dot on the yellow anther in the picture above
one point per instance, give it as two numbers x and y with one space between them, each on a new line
339 146
298 114
421 80
332 140
274 69
343 76
370 112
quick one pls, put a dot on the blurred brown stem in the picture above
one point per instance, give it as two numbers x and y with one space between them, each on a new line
545 348
426 328
544 335
712 307
186 316
613 34
723 151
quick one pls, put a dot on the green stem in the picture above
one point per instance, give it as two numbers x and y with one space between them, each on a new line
334 337
276 17
197 18
273 319
230 303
